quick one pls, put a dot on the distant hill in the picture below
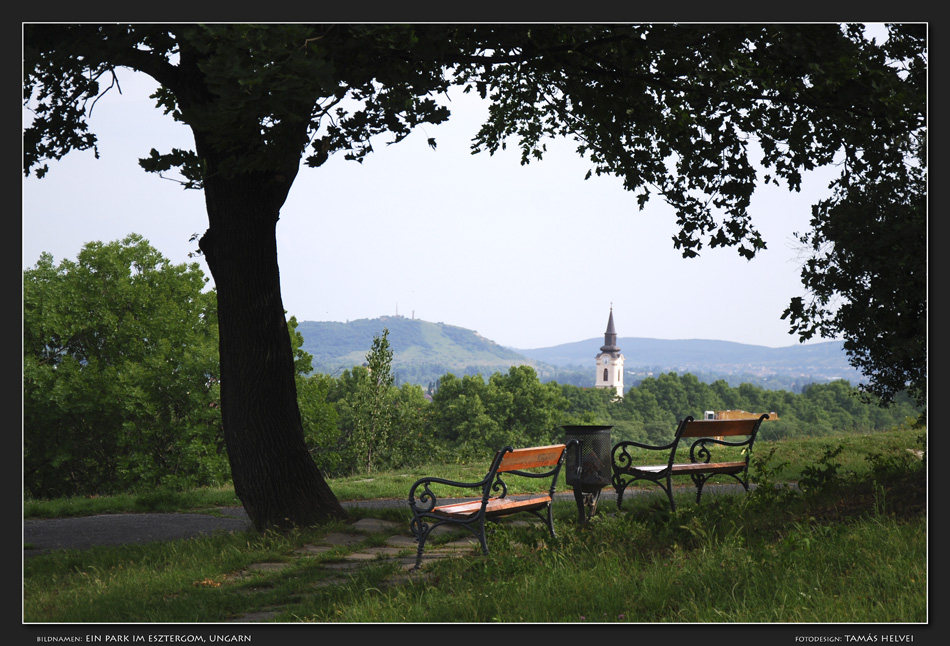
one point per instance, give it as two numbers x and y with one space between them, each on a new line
424 351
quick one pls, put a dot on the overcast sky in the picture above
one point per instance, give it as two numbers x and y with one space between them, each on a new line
528 256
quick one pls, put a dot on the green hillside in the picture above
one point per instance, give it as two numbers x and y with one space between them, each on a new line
422 351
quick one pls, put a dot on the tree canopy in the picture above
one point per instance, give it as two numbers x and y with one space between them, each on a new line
120 370
684 112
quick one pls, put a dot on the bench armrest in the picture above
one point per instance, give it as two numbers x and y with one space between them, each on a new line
621 458
423 499
699 451
641 445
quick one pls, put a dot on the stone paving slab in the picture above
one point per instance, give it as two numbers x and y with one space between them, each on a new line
268 567
373 525
373 553
313 550
344 539
346 566
401 540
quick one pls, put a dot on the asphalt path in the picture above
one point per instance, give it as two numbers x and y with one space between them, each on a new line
41 535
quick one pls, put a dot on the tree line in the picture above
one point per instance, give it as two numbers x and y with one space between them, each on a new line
471 416
121 391
583 377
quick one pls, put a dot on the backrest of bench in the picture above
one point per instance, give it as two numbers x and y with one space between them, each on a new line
537 456
721 427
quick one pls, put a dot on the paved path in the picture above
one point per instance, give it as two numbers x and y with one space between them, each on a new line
44 534
40 535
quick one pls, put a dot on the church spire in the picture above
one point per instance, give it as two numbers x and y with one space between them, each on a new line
610 336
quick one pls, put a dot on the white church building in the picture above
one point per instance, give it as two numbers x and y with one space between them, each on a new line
610 360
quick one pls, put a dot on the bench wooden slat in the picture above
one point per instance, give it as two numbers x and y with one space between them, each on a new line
713 467
537 456
719 427
687 467
495 506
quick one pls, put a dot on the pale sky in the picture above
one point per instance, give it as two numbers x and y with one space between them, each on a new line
528 256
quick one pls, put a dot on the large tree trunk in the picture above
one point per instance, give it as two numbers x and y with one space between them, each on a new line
274 476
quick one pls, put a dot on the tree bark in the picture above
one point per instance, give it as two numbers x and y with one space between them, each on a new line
274 475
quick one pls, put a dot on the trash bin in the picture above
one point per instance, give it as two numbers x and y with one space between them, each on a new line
588 465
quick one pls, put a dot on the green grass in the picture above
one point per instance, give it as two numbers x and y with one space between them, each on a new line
790 459
850 547
865 571
159 500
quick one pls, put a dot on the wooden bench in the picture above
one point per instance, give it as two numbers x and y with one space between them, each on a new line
712 436
428 513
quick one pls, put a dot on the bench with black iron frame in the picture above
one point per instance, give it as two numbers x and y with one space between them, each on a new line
428 513
710 434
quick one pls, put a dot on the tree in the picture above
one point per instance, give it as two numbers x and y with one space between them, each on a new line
586 405
375 404
868 279
379 424
460 416
119 373
318 416
347 394
526 409
655 421
410 426
670 108
320 421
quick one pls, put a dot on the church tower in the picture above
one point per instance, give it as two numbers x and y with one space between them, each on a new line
610 361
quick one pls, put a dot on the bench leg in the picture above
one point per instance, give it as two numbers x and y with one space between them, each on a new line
421 529
619 487
699 481
481 537
551 519
419 554
667 489
669 492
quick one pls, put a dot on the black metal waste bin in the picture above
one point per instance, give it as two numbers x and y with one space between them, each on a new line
588 465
